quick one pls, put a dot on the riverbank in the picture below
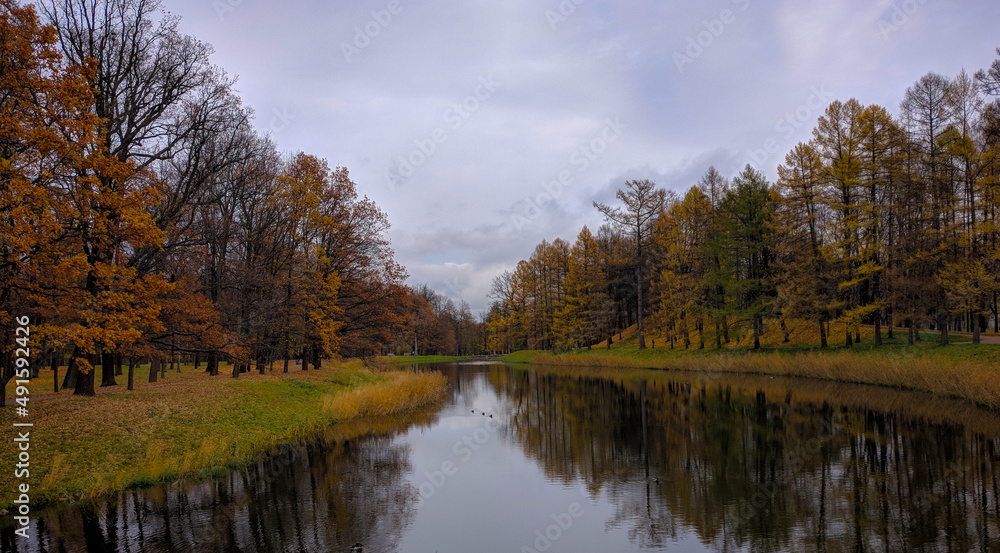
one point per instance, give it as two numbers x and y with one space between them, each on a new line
961 370
421 359
195 425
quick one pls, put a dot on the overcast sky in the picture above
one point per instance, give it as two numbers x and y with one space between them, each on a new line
484 127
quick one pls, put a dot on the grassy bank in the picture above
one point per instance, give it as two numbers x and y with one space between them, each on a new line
196 425
415 359
961 370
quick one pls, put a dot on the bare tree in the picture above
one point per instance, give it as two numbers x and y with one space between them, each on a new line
643 203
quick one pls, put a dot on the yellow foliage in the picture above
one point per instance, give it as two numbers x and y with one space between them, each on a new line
403 391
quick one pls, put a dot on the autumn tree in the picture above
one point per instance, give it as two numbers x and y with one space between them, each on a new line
46 130
642 204
578 322
806 286
679 279
926 116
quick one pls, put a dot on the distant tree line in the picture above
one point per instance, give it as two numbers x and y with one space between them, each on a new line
877 220
437 326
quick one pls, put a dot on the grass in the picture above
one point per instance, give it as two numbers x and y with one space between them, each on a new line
401 392
41 387
963 370
420 359
194 425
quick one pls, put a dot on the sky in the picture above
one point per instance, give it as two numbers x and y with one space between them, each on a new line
484 127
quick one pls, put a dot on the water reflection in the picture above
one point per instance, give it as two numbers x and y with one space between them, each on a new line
315 498
654 461
745 469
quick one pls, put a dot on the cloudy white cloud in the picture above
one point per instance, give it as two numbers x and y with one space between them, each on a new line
748 93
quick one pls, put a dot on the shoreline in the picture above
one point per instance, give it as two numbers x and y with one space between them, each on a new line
972 375
202 427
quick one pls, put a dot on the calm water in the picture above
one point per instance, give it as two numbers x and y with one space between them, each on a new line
609 464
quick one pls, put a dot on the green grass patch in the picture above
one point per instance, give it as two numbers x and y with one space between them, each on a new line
197 425
421 359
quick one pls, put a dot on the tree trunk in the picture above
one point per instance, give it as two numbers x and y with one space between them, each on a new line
197 360
758 324
36 368
975 328
847 339
154 367
7 373
85 382
878 330
942 322
857 335
55 370
317 357
108 369
638 280
213 364
236 369
996 311
684 329
131 373
822 335
718 336
784 331
118 364
889 322
69 381
912 336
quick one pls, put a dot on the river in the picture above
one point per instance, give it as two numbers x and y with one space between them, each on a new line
526 460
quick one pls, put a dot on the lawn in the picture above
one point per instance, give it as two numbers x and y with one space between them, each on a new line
192 424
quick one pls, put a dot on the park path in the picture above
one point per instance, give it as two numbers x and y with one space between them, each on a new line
983 338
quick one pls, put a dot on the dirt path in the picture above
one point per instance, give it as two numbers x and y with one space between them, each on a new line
983 338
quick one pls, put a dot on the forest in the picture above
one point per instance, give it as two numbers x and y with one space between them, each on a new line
143 219
880 220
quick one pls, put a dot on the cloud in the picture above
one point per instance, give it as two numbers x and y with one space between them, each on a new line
560 82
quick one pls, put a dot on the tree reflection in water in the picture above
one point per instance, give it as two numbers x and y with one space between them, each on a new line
753 468
306 498
736 463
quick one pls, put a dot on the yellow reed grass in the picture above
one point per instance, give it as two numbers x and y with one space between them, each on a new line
402 391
